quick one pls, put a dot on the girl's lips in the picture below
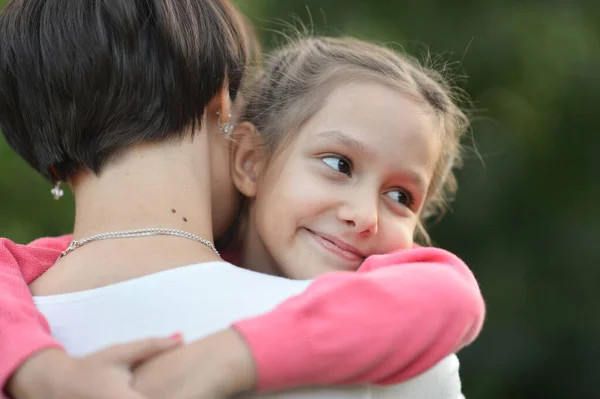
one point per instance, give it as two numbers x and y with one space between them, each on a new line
337 247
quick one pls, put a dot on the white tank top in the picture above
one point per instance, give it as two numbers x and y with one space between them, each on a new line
198 300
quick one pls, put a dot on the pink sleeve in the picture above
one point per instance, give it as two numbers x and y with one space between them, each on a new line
395 318
23 330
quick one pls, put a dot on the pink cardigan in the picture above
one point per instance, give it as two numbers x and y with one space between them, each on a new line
396 317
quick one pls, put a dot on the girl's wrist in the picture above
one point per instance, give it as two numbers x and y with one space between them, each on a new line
234 364
33 379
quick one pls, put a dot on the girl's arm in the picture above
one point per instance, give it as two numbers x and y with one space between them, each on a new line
397 317
23 330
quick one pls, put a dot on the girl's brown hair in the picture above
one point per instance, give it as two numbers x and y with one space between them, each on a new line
293 85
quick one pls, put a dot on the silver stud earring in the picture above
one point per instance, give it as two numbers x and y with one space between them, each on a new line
227 128
57 192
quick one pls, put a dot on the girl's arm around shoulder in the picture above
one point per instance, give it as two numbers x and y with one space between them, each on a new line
399 315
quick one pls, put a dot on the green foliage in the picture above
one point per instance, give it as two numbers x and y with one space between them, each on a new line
525 219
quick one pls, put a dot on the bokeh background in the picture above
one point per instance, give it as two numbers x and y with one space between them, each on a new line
527 216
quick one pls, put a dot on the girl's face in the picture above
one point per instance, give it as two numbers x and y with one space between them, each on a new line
350 184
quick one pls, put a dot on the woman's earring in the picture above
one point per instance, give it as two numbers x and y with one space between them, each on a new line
57 192
227 128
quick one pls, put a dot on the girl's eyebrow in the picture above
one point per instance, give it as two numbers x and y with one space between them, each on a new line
347 141
416 179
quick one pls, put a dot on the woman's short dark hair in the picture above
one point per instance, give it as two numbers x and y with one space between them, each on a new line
81 80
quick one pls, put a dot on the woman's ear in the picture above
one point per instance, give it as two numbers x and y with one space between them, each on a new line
247 158
220 107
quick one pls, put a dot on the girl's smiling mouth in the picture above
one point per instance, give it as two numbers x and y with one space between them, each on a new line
337 247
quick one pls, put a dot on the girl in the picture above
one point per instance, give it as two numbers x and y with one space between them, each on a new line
146 159
316 165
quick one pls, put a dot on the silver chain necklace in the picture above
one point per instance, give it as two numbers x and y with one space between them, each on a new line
137 233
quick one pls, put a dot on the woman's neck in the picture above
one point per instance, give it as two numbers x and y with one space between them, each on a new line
151 186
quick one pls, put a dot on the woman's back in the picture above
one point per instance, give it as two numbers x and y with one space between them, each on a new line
198 300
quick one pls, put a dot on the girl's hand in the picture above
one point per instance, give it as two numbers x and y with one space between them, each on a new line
216 367
52 374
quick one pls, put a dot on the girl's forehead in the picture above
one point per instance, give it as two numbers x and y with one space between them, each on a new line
375 123
371 112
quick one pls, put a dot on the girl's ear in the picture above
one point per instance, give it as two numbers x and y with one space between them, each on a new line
247 158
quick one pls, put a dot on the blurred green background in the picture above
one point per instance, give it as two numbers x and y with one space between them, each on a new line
526 218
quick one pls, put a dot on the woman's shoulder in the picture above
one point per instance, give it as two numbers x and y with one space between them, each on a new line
442 381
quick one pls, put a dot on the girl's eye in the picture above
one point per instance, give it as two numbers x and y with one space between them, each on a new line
339 163
401 197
